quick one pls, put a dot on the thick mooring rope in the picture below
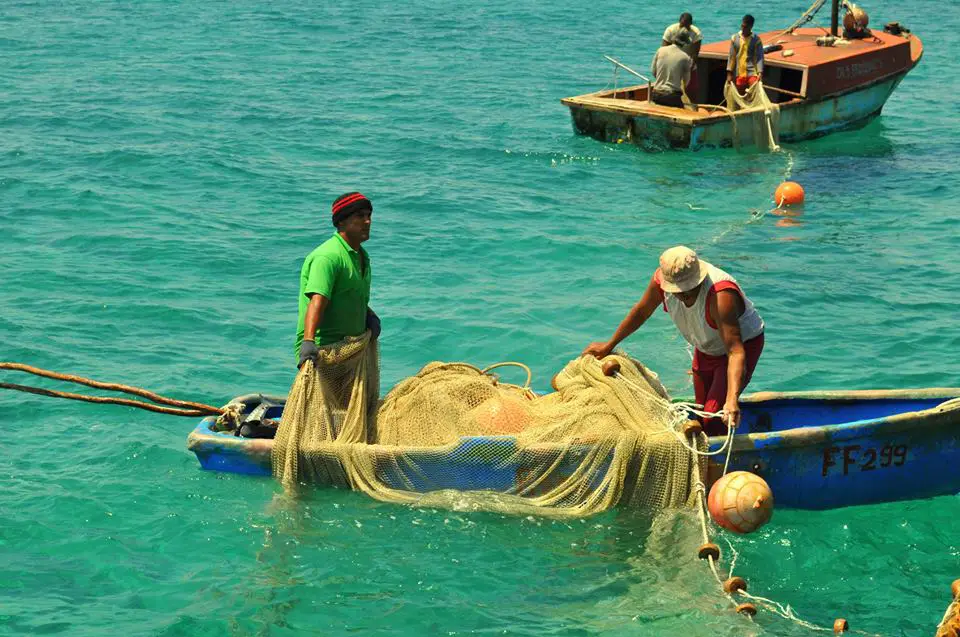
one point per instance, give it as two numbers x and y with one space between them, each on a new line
174 407
108 400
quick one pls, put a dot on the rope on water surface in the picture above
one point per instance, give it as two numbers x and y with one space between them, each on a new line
229 414
682 410
769 604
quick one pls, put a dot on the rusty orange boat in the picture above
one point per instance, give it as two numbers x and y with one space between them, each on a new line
819 82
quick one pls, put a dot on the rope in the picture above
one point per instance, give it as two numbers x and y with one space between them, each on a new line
731 114
681 412
807 16
526 385
107 400
700 490
231 415
127 389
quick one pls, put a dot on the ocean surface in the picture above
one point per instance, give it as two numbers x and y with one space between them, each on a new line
165 167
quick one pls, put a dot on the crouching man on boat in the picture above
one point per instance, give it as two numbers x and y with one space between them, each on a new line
335 282
671 71
714 315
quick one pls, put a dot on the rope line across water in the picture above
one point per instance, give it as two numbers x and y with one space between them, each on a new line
682 412
108 400
127 389
229 415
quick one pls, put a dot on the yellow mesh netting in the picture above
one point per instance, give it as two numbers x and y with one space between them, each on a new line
596 442
756 118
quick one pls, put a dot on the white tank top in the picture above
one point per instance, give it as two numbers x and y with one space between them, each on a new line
694 322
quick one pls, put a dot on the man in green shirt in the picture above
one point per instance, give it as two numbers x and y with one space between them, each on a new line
335 282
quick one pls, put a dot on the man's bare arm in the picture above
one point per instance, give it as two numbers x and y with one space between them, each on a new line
637 316
726 308
318 305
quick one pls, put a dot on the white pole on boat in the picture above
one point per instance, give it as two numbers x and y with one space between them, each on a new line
629 70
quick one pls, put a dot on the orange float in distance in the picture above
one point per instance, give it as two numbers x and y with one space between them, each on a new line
789 193
740 502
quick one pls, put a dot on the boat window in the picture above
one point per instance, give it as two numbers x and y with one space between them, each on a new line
713 77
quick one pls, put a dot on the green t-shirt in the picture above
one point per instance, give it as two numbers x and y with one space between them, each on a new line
334 269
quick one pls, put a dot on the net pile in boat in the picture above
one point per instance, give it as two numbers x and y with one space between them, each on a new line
594 443
756 119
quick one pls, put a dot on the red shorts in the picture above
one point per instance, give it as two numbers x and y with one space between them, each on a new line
710 381
745 81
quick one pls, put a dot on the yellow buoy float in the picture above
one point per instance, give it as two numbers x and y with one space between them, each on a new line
740 502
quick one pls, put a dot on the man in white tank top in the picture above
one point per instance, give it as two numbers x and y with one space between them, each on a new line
715 316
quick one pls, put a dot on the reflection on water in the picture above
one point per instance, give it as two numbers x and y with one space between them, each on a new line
789 216
874 140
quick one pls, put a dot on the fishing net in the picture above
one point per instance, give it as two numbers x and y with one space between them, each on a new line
454 436
756 119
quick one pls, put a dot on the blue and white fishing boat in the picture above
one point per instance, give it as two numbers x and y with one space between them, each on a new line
816 450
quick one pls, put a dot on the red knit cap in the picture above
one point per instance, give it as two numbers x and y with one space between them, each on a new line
346 205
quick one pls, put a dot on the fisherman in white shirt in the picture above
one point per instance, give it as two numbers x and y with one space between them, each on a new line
692 48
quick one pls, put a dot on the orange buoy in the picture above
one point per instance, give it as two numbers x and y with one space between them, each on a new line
841 626
747 609
789 193
740 502
611 368
500 415
734 585
553 382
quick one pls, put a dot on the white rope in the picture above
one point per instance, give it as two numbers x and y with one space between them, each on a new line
774 146
700 490
784 611
726 463
681 412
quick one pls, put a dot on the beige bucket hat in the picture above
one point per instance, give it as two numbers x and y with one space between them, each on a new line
681 270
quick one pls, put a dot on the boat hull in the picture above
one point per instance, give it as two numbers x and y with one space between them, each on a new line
913 452
798 121
816 450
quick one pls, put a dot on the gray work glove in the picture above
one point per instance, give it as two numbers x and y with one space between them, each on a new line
308 352
373 324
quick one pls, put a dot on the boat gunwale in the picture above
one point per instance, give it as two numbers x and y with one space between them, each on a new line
938 415
694 119
784 438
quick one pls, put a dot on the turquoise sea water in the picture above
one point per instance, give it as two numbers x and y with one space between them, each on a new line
164 168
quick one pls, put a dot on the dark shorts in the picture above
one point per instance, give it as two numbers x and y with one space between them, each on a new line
667 99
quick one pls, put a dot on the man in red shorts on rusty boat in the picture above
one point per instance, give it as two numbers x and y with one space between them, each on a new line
745 60
714 315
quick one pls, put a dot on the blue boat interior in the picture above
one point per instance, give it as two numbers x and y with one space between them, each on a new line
791 413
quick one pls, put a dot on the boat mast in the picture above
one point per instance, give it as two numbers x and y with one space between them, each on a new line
834 15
